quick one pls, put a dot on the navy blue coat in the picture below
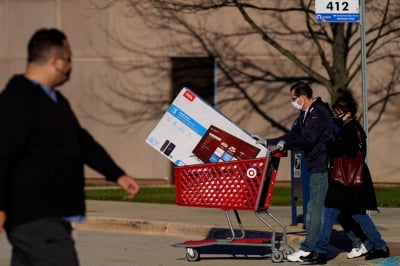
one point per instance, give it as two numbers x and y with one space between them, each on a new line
310 132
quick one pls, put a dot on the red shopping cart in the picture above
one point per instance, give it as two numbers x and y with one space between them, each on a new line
233 186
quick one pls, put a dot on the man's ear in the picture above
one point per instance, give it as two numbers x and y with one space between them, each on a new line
303 99
54 61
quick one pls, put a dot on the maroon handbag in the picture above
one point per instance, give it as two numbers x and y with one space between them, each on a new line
349 171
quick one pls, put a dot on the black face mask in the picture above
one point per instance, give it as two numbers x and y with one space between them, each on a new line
338 122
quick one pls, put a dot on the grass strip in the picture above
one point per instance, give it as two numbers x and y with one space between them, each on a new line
387 196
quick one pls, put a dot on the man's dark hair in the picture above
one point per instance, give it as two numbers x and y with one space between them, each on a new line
302 88
43 43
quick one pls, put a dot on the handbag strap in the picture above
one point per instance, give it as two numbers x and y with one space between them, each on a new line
359 137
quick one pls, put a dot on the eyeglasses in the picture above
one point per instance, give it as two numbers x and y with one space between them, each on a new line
338 114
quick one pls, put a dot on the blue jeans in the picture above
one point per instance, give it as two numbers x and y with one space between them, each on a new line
318 189
370 230
328 219
329 216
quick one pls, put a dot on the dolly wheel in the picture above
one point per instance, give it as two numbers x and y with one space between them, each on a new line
192 254
277 255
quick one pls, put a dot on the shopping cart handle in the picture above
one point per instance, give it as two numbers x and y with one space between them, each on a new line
276 152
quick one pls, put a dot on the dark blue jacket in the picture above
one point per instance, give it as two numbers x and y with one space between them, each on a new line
311 132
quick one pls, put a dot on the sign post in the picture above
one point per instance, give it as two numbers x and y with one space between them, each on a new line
348 11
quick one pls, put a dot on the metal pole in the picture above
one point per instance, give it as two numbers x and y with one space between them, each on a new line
364 72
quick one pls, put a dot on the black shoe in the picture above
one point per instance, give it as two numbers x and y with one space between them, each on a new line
316 259
309 257
378 254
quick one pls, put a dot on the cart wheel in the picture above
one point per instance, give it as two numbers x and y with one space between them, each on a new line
192 254
287 251
277 255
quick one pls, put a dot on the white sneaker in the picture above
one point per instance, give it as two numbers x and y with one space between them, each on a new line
357 252
294 257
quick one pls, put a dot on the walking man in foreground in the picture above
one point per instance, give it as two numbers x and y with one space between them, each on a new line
43 150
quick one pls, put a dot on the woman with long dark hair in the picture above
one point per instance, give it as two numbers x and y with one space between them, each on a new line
351 201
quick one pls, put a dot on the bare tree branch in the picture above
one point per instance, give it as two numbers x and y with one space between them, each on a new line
332 58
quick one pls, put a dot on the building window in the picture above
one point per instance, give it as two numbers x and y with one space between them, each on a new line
195 73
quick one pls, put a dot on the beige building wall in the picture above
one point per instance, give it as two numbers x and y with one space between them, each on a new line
86 29
93 77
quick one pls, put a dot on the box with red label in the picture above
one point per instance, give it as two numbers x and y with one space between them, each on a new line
219 146
186 122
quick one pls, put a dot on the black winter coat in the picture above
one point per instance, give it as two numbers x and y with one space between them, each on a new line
353 199
42 152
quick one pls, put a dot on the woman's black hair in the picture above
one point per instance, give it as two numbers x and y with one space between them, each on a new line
345 102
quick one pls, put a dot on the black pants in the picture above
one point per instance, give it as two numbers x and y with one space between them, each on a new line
43 242
347 222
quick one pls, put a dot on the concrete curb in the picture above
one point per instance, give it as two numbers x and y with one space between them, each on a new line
143 226
189 230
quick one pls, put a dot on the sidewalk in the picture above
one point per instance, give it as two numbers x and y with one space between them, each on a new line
201 223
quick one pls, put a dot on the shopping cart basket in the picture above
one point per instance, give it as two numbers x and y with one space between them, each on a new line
235 185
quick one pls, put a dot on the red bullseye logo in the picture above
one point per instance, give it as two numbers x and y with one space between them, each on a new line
251 173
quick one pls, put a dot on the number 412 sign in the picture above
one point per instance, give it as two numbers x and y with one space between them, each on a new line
337 11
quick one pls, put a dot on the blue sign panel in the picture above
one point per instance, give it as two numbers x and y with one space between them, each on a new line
337 17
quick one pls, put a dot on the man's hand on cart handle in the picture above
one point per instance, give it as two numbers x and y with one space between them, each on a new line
278 147
281 145
260 140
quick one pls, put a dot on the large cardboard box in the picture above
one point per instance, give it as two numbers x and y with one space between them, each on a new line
219 146
193 132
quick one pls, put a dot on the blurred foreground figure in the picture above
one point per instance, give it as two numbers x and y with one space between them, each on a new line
43 150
